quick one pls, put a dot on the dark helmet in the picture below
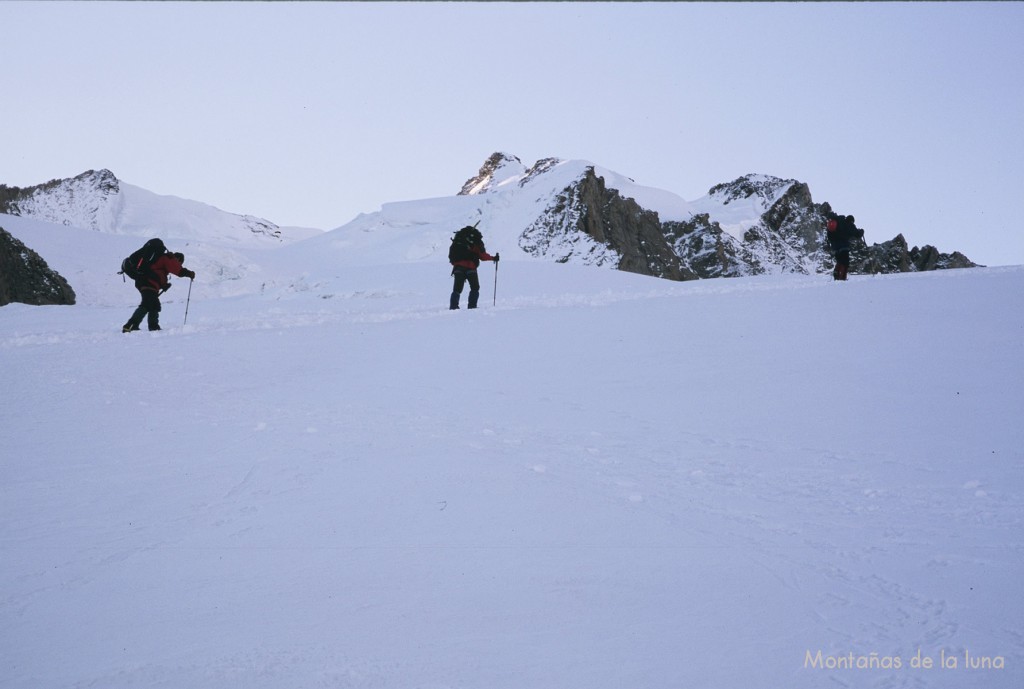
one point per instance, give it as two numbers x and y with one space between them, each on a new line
180 257
850 218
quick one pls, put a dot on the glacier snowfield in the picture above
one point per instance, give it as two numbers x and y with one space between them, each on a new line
601 480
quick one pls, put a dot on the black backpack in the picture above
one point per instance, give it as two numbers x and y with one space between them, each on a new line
462 241
137 264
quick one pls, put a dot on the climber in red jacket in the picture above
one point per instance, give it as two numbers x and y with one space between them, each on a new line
466 252
151 285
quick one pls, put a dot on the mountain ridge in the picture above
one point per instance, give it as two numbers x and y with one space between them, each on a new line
97 200
753 225
565 211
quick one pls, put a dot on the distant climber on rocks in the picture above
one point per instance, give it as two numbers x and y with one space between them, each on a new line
841 230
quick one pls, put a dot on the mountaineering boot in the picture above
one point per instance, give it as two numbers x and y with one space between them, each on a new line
133 322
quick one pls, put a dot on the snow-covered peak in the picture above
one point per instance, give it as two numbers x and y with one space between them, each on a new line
738 205
97 200
497 169
763 189
504 172
89 200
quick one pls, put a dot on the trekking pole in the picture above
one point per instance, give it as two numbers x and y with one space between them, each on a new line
187 300
494 301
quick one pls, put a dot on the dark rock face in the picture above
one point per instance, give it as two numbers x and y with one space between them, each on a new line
774 226
25 278
796 220
595 224
590 221
708 251
894 256
789 237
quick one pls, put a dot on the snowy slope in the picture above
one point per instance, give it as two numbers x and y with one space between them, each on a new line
326 479
97 200
504 205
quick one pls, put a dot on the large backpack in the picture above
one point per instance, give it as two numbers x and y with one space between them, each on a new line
138 262
462 241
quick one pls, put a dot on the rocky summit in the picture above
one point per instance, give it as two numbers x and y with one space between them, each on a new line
756 224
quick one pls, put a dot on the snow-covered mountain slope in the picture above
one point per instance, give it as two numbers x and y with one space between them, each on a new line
607 480
739 206
97 200
534 213
502 171
565 211
579 213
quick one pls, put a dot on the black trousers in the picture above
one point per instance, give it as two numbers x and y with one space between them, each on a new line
462 276
842 264
149 306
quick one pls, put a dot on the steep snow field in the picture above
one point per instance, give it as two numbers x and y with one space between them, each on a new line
326 479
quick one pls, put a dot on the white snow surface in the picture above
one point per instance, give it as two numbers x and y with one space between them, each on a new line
603 480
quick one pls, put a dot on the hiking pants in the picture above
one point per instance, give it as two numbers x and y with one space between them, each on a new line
150 306
462 275
842 264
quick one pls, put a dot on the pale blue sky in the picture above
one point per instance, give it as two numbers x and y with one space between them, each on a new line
908 115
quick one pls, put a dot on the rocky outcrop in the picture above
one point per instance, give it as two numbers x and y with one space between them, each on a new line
788 235
26 278
771 225
754 225
596 225
708 251
495 170
894 256
797 221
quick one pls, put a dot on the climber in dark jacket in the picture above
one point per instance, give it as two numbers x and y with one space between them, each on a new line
465 255
841 230
151 285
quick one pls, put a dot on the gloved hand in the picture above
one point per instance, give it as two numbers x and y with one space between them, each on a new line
190 274
497 257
